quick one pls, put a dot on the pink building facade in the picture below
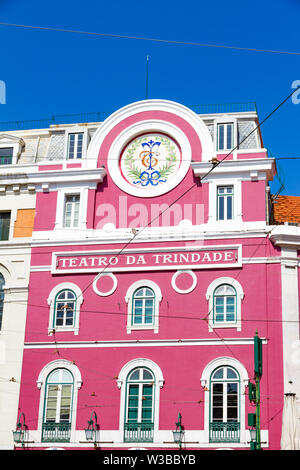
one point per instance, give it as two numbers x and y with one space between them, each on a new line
151 272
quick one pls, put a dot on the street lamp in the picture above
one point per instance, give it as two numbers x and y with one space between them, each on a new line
179 432
19 433
252 430
91 430
253 438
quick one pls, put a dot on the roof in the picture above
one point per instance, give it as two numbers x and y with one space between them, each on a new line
286 209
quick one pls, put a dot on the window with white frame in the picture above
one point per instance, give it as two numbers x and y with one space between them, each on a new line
224 202
224 304
65 300
139 412
58 382
72 210
140 381
6 155
224 381
224 389
143 306
2 282
143 298
75 145
58 406
225 297
5 217
225 136
65 308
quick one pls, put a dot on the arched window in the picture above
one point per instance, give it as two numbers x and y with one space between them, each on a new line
224 388
140 381
224 304
64 300
143 304
64 308
225 297
224 405
143 298
139 410
57 413
2 282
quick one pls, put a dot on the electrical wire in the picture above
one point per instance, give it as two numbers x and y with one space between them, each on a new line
165 41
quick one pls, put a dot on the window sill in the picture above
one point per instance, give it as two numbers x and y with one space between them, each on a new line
62 329
142 327
236 325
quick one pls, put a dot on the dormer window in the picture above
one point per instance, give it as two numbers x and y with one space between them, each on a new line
225 136
75 145
6 155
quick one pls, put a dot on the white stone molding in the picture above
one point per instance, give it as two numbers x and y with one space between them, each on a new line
189 289
144 127
128 299
239 297
237 202
62 193
153 105
111 291
51 302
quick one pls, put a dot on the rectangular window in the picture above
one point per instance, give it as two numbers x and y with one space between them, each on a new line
225 203
4 225
6 155
225 136
75 142
72 206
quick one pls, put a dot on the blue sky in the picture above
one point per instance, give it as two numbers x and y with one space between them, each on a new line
49 72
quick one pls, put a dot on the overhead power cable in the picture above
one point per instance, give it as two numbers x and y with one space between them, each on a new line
149 39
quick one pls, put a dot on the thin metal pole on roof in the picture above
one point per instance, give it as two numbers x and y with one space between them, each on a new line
147 76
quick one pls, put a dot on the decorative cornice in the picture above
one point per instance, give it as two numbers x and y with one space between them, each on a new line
254 168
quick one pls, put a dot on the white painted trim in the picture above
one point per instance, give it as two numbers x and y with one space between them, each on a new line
62 193
112 290
51 299
187 249
142 343
153 105
239 297
128 299
237 202
184 291
144 127
76 130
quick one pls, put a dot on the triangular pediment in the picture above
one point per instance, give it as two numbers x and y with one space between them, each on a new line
11 138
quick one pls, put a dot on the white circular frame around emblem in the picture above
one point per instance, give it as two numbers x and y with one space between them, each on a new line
190 289
112 290
144 128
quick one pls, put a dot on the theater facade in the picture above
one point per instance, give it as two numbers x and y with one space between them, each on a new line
152 270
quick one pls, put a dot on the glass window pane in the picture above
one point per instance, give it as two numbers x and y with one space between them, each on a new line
135 375
218 374
221 208
221 137
229 207
4 225
229 136
147 375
